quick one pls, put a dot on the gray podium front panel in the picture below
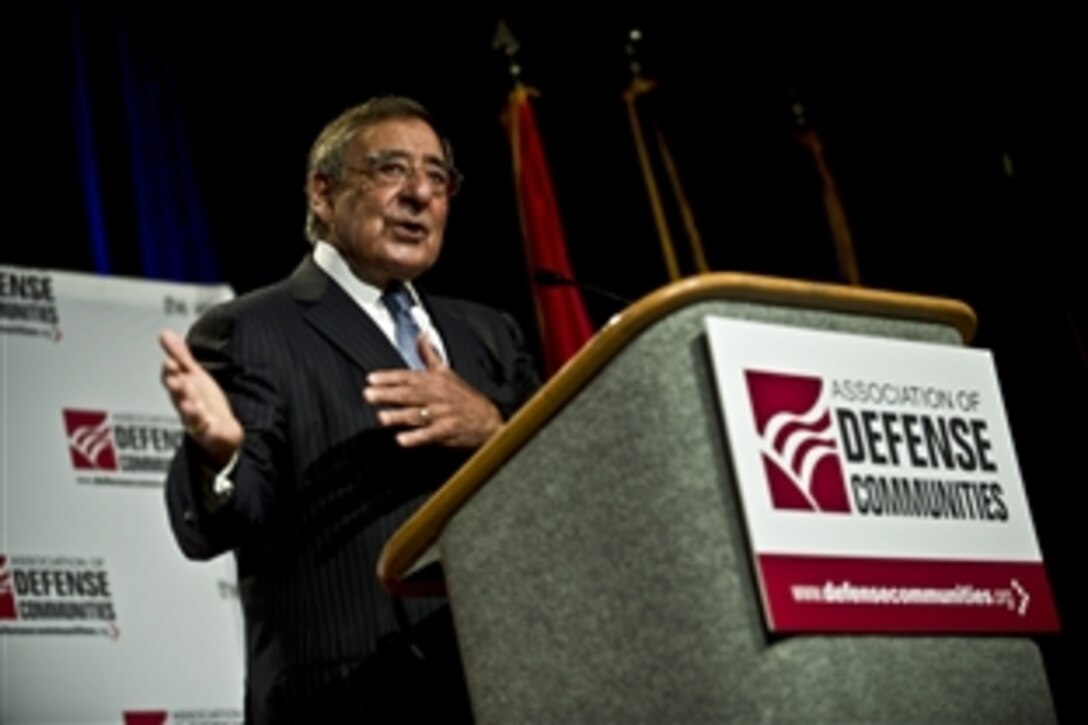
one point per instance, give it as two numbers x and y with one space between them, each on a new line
602 574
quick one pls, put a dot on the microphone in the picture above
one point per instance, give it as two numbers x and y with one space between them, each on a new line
550 278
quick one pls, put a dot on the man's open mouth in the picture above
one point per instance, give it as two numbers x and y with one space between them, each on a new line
409 230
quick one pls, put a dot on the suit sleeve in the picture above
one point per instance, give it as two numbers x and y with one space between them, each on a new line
522 377
206 524
510 367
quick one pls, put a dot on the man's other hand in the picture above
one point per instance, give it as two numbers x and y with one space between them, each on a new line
199 401
433 405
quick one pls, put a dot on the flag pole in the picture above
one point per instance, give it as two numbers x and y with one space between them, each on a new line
638 87
836 214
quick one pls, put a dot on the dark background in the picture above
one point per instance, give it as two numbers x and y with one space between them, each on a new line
168 140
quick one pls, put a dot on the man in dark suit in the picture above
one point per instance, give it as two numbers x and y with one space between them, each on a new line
321 411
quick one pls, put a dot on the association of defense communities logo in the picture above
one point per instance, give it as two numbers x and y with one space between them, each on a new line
874 448
191 716
121 449
28 305
798 446
7 593
48 595
90 441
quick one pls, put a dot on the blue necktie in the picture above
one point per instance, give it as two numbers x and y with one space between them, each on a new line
399 302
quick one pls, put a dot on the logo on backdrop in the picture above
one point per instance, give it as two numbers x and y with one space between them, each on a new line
7 593
145 717
120 449
90 440
797 443
28 305
56 595
874 448
213 716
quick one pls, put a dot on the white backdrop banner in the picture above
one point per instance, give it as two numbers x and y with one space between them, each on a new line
101 617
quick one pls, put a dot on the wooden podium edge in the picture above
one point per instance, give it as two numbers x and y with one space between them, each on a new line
412 539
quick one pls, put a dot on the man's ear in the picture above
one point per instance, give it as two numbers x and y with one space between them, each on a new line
319 193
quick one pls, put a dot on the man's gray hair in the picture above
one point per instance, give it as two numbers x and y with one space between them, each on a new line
327 154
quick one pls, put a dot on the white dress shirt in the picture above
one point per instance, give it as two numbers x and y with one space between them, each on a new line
369 297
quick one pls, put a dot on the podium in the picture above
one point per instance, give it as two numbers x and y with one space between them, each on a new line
595 557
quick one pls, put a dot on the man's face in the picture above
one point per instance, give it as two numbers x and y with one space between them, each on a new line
386 229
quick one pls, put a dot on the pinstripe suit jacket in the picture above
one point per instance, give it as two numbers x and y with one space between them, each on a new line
319 485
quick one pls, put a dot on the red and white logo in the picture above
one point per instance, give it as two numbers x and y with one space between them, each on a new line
90 440
7 594
798 447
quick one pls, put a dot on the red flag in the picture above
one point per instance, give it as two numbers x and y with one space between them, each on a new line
561 315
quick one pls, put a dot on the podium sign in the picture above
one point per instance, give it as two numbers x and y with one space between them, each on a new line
879 483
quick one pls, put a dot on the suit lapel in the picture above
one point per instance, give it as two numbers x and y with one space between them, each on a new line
336 316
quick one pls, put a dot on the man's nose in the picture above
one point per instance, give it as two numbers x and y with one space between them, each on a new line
418 188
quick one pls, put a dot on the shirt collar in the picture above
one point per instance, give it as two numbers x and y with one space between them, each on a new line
366 295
